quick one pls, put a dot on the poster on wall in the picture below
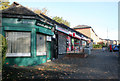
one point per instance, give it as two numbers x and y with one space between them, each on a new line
72 45
48 38
68 43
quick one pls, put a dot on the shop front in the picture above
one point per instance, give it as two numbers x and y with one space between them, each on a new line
28 36
62 43
61 37
28 44
69 43
75 43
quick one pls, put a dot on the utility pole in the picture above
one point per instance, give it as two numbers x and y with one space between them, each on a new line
107 36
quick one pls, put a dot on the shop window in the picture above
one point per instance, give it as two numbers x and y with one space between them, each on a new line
41 44
77 44
18 44
84 43
72 47
68 44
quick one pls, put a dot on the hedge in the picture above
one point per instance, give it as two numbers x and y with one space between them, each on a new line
3 48
97 46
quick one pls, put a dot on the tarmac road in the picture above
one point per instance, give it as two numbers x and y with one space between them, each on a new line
98 65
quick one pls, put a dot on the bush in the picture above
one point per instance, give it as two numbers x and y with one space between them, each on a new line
3 48
97 46
102 44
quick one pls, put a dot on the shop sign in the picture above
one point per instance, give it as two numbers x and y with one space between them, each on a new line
50 23
28 17
84 38
18 21
73 34
46 26
48 38
62 30
54 36
27 22
70 33
78 36
40 24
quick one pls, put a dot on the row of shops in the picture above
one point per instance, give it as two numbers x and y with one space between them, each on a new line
35 39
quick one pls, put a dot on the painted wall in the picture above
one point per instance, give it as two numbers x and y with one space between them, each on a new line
12 24
25 61
85 31
95 38
89 32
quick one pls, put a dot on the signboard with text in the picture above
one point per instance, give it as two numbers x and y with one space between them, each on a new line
62 29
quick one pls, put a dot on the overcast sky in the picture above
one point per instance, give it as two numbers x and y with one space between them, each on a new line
99 15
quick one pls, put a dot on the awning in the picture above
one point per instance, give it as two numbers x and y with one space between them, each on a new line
44 30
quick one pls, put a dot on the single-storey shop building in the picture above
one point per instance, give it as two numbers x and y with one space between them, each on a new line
67 40
28 36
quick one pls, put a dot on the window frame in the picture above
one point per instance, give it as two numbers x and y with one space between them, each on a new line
41 53
19 54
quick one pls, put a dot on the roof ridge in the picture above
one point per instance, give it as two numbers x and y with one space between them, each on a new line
81 26
17 5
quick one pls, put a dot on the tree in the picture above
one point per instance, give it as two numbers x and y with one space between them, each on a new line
101 43
44 11
4 4
61 20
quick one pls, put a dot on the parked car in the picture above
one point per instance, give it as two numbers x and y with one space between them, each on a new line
115 48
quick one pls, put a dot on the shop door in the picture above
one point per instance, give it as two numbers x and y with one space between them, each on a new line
48 50
54 50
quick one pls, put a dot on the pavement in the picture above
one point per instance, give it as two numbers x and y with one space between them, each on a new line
98 65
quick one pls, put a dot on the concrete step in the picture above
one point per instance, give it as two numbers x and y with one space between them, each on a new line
48 60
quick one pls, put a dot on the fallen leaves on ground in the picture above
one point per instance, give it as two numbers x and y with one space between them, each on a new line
62 69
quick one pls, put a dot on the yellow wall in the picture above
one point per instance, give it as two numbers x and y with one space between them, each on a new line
94 37
85 31
88 32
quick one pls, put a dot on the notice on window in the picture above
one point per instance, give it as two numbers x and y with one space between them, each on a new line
48 38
